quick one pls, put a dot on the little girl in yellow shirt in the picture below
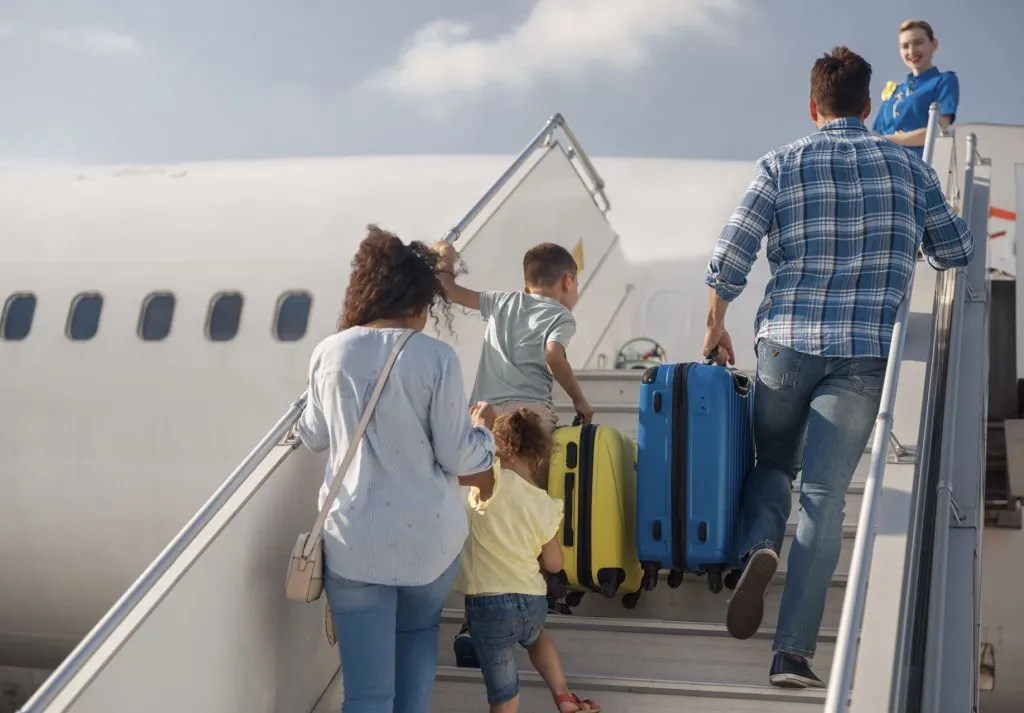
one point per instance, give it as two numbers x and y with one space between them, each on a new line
513 531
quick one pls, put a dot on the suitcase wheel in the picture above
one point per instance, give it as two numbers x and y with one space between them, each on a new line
650 580
609 580
733 578
715 582
631 600
573 599
675 579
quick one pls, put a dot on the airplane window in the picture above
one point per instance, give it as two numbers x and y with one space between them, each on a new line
292 316
17 317
156 316
84 316
225 316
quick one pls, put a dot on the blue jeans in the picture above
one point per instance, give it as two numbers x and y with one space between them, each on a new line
497 623
387 637
813 414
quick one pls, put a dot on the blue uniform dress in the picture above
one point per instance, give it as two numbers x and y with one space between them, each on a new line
905 105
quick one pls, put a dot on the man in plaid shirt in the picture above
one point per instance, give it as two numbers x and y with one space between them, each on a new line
844 212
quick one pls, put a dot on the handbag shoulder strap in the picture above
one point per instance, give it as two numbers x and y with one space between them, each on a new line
339 474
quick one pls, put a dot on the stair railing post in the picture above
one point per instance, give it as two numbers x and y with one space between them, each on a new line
843 663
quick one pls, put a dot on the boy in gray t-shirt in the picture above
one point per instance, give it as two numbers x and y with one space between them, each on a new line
527 333
523 355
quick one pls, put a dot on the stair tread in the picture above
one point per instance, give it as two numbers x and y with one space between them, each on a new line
459 691
661 627
706 654
693 602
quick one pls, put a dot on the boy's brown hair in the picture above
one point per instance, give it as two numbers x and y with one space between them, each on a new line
545 264
841 83
521 434
918 25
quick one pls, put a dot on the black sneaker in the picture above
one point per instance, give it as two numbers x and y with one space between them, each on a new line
559 607
465 654
746 608
788 672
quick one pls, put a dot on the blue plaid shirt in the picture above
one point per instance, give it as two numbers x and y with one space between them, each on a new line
845 212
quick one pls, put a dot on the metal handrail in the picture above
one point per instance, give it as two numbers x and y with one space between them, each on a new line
943 492
553 124
910 647
122 609
119 612
844 660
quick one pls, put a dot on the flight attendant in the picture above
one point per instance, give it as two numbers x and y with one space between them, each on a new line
903 116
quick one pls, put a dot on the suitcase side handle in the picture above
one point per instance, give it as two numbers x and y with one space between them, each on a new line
741 382
568 532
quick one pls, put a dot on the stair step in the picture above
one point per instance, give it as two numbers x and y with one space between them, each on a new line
635 625
462 691
637 648
623 375
694 602
622 387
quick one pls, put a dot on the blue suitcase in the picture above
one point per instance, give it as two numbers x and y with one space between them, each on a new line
696 447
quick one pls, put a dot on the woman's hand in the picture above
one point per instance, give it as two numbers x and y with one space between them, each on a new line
482 415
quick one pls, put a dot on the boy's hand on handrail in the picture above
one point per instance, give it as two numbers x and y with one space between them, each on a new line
456 293
448 254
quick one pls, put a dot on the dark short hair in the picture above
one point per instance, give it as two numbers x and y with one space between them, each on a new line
841 83
390 280
545 264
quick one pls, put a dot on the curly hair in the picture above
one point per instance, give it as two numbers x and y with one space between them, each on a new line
391 279
521 434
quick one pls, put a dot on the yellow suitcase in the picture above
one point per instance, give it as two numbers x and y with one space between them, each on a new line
593 469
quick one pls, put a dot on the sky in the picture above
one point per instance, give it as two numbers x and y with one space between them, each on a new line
151 81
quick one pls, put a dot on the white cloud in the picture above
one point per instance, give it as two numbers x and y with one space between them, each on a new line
85 40
93 41
8 30
558 40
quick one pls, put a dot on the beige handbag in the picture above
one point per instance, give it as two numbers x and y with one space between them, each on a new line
305 579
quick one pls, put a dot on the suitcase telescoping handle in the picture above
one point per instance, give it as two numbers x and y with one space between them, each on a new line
741 382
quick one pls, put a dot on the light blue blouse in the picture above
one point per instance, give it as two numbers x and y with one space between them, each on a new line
398 518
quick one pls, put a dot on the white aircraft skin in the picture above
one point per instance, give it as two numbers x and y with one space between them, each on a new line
108 445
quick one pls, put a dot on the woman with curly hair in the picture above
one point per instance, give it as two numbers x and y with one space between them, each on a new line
395 531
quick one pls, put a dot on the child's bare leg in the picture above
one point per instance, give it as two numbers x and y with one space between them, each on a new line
506 707
545 659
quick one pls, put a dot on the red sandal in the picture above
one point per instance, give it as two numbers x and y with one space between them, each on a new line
584 705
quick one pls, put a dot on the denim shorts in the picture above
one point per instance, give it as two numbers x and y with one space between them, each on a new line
497 623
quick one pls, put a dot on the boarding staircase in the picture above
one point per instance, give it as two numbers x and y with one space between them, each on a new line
672 652
206 627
